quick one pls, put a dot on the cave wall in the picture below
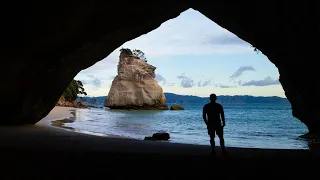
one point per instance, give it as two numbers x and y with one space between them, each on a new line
46 43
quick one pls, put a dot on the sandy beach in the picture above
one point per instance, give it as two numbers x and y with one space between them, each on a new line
47 152
61 115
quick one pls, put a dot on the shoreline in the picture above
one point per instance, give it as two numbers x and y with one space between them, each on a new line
61 124
60 115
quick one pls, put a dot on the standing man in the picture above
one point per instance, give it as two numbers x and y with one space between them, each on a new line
211 116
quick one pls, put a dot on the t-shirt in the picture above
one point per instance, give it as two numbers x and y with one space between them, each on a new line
213 111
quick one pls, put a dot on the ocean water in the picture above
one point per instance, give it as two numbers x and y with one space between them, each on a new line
249 125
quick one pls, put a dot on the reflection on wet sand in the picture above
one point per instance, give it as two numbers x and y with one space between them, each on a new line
61 123
73 112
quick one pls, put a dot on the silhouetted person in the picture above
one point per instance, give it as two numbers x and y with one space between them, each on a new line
211 116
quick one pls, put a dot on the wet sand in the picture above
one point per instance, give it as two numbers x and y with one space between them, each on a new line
59 116
43 151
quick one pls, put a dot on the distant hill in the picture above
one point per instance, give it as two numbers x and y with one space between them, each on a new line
97 100
244 99
183 99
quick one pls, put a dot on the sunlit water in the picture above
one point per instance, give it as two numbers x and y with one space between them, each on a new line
253 125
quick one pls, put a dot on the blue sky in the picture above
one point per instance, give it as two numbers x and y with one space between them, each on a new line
193 56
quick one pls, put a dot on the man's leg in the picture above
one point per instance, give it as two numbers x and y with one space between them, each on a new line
211 133
213 144
221 138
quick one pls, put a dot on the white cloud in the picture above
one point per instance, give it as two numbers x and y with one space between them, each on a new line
160 79
108 63
264 82
204 83
240 71
179 36
186 82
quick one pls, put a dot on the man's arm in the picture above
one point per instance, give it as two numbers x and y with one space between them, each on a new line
222 117
204 115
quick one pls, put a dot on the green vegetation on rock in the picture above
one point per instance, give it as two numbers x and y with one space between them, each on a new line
139 54
126 51
73 90
136 52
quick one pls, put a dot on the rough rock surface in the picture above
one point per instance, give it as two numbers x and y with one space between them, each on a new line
162 136
47 43
135 87
176 107
74 104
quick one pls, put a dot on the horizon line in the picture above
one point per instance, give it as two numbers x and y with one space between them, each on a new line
204 96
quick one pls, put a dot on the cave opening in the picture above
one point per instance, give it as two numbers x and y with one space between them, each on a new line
193 62
47 44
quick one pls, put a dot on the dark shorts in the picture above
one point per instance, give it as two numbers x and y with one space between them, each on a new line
212 130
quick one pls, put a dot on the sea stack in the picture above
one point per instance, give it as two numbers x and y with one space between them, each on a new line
135 86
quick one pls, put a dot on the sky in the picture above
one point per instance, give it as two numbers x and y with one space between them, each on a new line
193 56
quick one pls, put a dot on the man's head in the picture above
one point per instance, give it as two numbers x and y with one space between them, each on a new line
213 97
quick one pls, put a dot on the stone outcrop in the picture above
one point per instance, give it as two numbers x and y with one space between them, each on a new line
135 87
161 136
47 44
176 107
74 104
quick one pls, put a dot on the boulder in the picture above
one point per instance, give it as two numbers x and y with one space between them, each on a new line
176 107
74 104
158 137
135 87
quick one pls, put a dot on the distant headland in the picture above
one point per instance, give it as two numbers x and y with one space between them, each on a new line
172 98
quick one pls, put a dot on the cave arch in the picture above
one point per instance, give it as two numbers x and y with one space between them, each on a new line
47 44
